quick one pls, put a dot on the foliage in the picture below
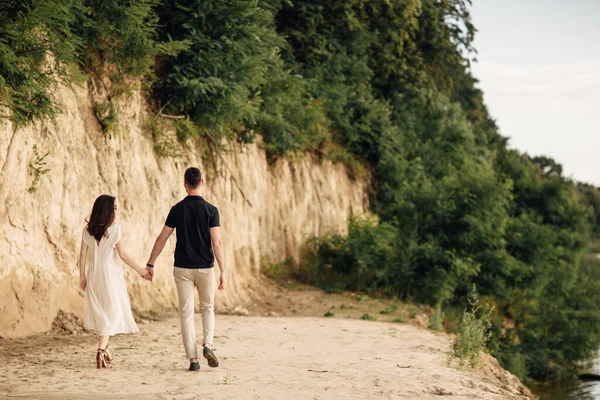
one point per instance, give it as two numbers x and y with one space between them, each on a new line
118 33
43 42
164 144
563 327
278 271
354 261
106 115
473 332
186 129
413 312
389 309
216 80
591 195
38 167
437 319
330 44
289 117
456 206
29 32
367 317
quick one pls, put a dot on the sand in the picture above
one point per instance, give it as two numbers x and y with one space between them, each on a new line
261 358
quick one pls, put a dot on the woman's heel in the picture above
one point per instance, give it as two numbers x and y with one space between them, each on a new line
107 356
100 359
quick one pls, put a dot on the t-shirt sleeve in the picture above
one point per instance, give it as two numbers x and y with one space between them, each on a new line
215 220
171 219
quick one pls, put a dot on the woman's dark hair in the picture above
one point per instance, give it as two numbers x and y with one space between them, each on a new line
103 215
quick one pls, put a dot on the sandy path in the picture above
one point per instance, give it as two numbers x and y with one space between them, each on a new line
261 358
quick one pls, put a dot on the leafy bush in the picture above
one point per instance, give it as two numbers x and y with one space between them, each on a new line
355 261
389 309
186 129
278 271
473 333
106 115
437 319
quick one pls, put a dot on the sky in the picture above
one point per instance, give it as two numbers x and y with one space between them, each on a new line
539 68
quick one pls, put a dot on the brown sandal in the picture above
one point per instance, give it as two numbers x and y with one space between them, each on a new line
107 355
101 359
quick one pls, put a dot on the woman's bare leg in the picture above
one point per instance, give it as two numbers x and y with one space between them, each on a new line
103 342
100 356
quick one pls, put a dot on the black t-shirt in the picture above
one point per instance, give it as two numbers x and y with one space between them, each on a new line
192 219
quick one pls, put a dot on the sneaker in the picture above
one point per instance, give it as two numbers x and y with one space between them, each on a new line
210 356
195 366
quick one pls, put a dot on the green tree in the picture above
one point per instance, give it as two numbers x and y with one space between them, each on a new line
217 79
120 34
37 48
591 195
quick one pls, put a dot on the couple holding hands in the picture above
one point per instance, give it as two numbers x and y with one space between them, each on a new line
107 309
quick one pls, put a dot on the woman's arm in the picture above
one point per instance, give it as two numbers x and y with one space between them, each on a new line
129 261
82 261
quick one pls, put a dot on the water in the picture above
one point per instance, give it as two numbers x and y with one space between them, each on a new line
573 389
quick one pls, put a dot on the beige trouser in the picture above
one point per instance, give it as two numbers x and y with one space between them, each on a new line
204 280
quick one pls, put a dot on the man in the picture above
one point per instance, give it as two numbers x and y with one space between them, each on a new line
199 242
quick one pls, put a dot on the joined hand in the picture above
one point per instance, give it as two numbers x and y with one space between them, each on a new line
144 274
150 274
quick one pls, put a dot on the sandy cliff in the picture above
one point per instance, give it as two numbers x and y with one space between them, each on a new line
41 230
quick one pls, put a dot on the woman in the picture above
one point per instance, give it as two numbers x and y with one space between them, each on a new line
106 302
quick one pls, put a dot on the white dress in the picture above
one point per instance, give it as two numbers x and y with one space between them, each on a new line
106 303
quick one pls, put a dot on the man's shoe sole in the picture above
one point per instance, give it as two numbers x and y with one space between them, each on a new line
210 356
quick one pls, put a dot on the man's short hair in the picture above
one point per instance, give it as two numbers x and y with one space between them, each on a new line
192 177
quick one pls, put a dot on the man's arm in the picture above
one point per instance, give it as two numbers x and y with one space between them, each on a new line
159 245
217 244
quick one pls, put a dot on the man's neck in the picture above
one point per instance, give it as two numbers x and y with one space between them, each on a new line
194 193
